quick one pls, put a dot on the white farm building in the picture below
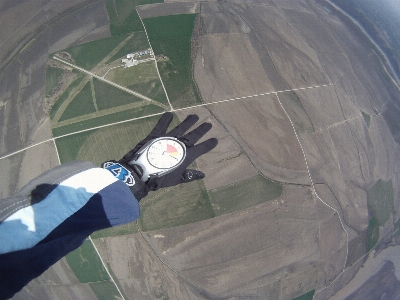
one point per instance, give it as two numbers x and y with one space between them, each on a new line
129 61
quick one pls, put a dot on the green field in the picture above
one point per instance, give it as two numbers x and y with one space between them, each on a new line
94 98
123 15
306 296
244 194
138 42
373 233
115 141
88 268
52 77
81 105
108 119
152 89
182 204
126 76
86 264
108 96
142 78
105 290
106 143
68 147
171 37
89 54
65 95
380 200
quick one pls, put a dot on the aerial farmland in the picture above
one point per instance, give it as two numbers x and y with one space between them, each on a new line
301 195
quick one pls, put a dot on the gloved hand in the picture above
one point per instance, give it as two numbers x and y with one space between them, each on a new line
125 172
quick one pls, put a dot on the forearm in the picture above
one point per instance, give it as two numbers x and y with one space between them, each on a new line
53 215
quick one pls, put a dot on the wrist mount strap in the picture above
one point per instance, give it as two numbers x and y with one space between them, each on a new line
126 174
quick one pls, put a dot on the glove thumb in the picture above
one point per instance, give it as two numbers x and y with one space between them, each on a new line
191 175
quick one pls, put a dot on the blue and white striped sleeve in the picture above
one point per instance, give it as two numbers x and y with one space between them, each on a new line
108 199
67 204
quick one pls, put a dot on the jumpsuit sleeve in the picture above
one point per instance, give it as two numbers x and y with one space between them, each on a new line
53 215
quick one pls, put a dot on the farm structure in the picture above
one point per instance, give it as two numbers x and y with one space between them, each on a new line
131 59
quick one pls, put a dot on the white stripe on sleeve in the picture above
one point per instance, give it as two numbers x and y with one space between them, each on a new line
28 226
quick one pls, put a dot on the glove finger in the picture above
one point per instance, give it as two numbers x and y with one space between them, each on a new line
179 130
192 137
153 184
191 175
162 125
199 149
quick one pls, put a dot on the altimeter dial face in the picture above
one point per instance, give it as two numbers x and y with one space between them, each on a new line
165 153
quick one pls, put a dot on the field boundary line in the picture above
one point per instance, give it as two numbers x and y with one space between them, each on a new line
58 155
251 96
26 148
155 60
313 186
100 113
110 124
105 267
160 113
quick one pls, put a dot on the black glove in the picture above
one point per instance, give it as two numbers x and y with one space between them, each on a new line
125 172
